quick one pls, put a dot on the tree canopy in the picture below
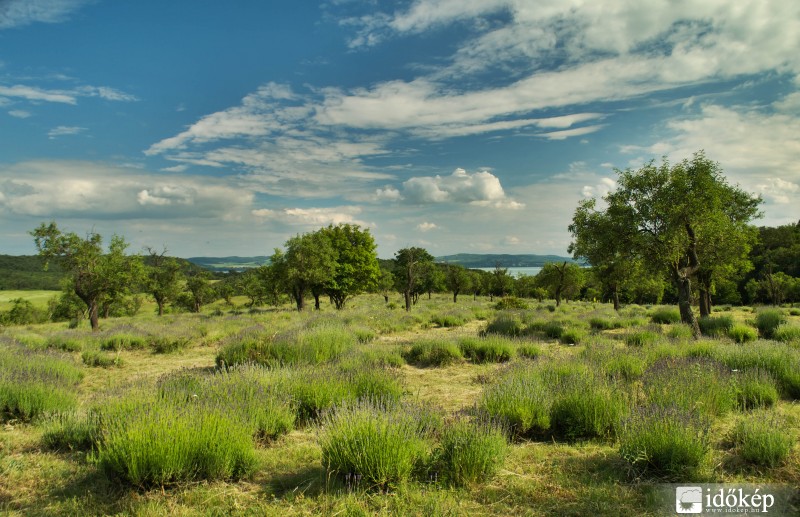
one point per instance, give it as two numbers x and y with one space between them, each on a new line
410 264
94 276
680 220
356 267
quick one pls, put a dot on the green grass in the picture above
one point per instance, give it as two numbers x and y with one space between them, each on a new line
626 367
755 388
665 315
315 345
489 349
566 453
601 323
71 430
433 353
521 400
34 383
379 445
762 439
666 443
691 384
742 333
768 321
781 361
37 298
680 332
470 452
715 326
572 336
159 442
506 324
124 341
640 338
96 358
787 333
586 407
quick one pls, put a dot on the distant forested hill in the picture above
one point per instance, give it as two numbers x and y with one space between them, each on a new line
27 272
471 260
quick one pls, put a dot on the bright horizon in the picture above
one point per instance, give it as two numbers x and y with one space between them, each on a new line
459 126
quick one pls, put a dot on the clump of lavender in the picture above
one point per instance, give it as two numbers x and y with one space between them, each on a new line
378 444
666 441
33 383
694 384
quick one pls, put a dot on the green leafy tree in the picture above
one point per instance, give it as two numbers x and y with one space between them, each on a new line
199 291
670 217
164 278
560 280
409 266
457 280
488 285
94 276
309 261
385 283
432 280
502 283
478 282
254 285
525 286
597 238
356 267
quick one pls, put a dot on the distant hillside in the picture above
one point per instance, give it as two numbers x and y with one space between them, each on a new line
473 260
27 272
222 264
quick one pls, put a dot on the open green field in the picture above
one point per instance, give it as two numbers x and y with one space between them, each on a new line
37 298
561 411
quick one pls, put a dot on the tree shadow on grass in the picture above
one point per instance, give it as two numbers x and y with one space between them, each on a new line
91 489
572 482
308 481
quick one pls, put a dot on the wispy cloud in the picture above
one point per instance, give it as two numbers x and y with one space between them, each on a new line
271 137
562 55
65 131
19 113
18 13
757 146
32 93
64 96
567 133
312 217
63 189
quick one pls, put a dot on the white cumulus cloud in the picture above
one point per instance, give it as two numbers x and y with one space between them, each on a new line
479 188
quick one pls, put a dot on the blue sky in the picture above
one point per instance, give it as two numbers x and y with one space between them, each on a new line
224 128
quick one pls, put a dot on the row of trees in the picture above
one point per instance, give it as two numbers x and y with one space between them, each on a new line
678 232
336 261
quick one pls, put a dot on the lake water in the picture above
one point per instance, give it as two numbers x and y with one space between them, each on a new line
515 271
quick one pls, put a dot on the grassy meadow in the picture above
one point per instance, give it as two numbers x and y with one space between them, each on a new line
37 298
451 409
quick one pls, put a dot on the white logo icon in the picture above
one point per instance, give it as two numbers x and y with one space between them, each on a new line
689 499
